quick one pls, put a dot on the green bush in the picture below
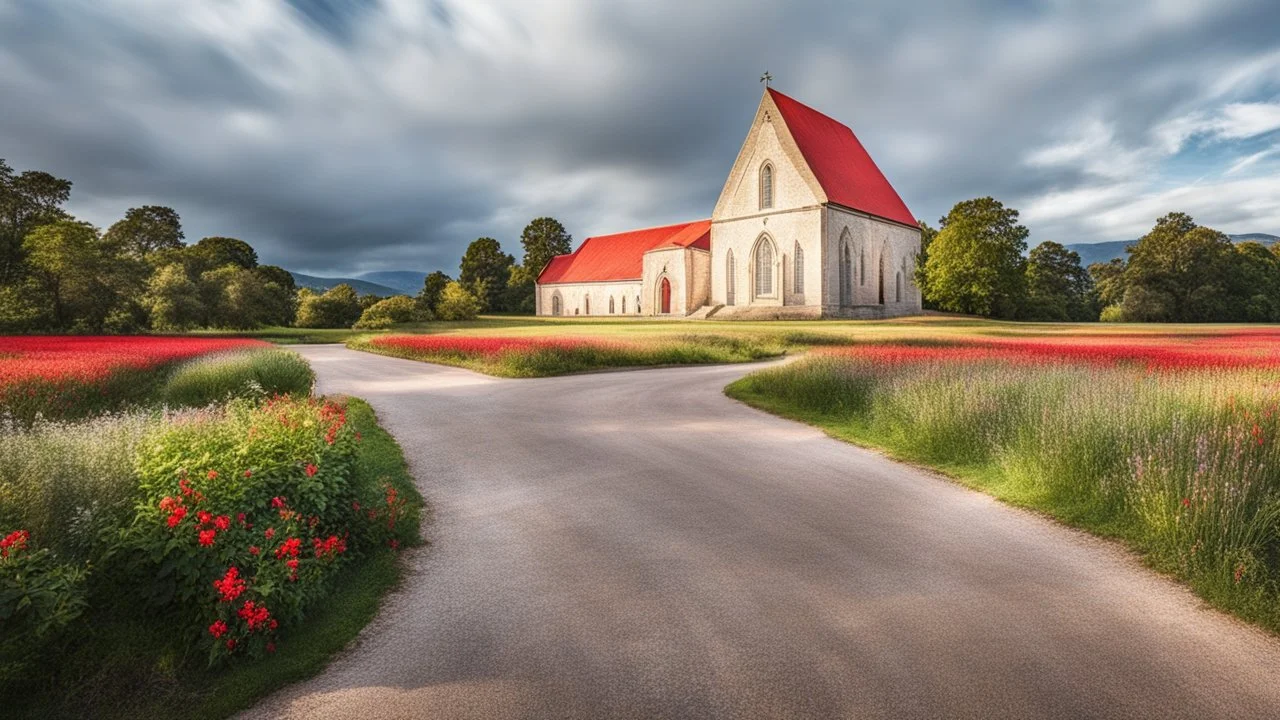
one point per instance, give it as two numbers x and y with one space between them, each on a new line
256 373
457 303
385 313
39 597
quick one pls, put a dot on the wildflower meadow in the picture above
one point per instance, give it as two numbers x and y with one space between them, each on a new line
1170 442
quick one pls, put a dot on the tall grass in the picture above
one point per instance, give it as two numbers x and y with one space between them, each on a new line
252 373
1183 463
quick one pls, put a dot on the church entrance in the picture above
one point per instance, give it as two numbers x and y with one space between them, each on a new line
664 293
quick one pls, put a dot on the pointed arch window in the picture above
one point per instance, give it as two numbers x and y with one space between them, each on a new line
555 304
766 186
764 267
846 274
730 281
797 283
624 304
586 305
862 266
897 288
611 308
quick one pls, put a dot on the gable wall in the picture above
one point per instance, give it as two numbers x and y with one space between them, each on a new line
871 239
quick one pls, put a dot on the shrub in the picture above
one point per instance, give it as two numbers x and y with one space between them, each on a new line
244 514
393 310
457 303
338 307
258 373
39 597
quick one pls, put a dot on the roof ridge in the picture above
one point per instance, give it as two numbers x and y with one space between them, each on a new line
645 229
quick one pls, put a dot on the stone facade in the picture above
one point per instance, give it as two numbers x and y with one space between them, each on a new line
590 298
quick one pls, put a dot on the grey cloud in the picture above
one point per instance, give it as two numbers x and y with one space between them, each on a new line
340 137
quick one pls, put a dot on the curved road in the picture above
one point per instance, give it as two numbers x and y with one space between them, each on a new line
637 545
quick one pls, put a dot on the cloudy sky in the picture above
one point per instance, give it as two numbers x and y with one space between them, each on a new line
346 136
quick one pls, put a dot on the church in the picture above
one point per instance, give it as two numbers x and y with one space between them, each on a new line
806 226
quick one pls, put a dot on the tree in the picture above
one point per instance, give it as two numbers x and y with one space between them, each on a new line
214 252
1108 284
391 311
543 239
975 262
145 230
927 234
457 303
1254 283
1058 288
338 307
519 294
26 201
484 271
172 300
74 273
240 298
432 286
1177 272
279 276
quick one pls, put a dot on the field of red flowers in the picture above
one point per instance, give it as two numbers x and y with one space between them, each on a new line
1169 441
70 376
543 356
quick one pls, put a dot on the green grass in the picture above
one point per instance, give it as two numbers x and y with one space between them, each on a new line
1168 463
214 378
128 665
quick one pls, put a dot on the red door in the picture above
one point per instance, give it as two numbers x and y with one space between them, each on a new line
666 296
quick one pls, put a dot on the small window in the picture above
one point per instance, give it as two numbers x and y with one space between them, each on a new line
862 266
766 187
611 311
586 305
897 285
730 281
624 304
797 285
555 304
637 304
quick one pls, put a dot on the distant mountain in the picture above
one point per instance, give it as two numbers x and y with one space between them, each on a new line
408 282
364 287
1091 253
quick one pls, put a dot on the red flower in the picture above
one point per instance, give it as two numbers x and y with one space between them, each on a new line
312 470
186 486
222 522
290 548
218 629
253 550
270 533
255 616
212 474
240 518
177 515
169 504
231 643
207 536
1186 502
15 541
395 544
231 585
248 473
204 517
277 502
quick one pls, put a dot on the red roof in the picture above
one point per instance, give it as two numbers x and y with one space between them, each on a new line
621 256
844 169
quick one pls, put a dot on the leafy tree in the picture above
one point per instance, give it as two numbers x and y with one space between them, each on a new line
543 239
975 262
172 300
214 252
1057 287
485 269
78 276
145 230
338 307
432 287
1108 284
1254 282
1177 273
391 311
279 276
23 307
457 303
26 201
240 298
519 294
927 234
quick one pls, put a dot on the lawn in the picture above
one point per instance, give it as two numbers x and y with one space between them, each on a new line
1166 439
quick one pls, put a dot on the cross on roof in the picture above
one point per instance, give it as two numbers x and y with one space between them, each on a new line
766 78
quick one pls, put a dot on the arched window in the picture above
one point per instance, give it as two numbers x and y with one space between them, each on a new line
846 273
637 304
586 304
766 187
624 304
764 267
883 271
862 265
730 281
897 288
797 284
555 304
611 305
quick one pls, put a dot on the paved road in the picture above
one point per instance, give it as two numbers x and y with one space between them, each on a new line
636 545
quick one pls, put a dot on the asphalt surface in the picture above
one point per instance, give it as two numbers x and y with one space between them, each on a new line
637 545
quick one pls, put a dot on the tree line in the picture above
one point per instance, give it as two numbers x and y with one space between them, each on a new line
976 262
60 274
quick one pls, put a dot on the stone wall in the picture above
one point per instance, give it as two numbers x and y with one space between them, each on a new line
574 298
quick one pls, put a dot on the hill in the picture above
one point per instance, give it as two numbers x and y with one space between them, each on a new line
408 282
364 287
1091 253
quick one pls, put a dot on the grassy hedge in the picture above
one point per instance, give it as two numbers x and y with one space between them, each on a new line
304 498
256 373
